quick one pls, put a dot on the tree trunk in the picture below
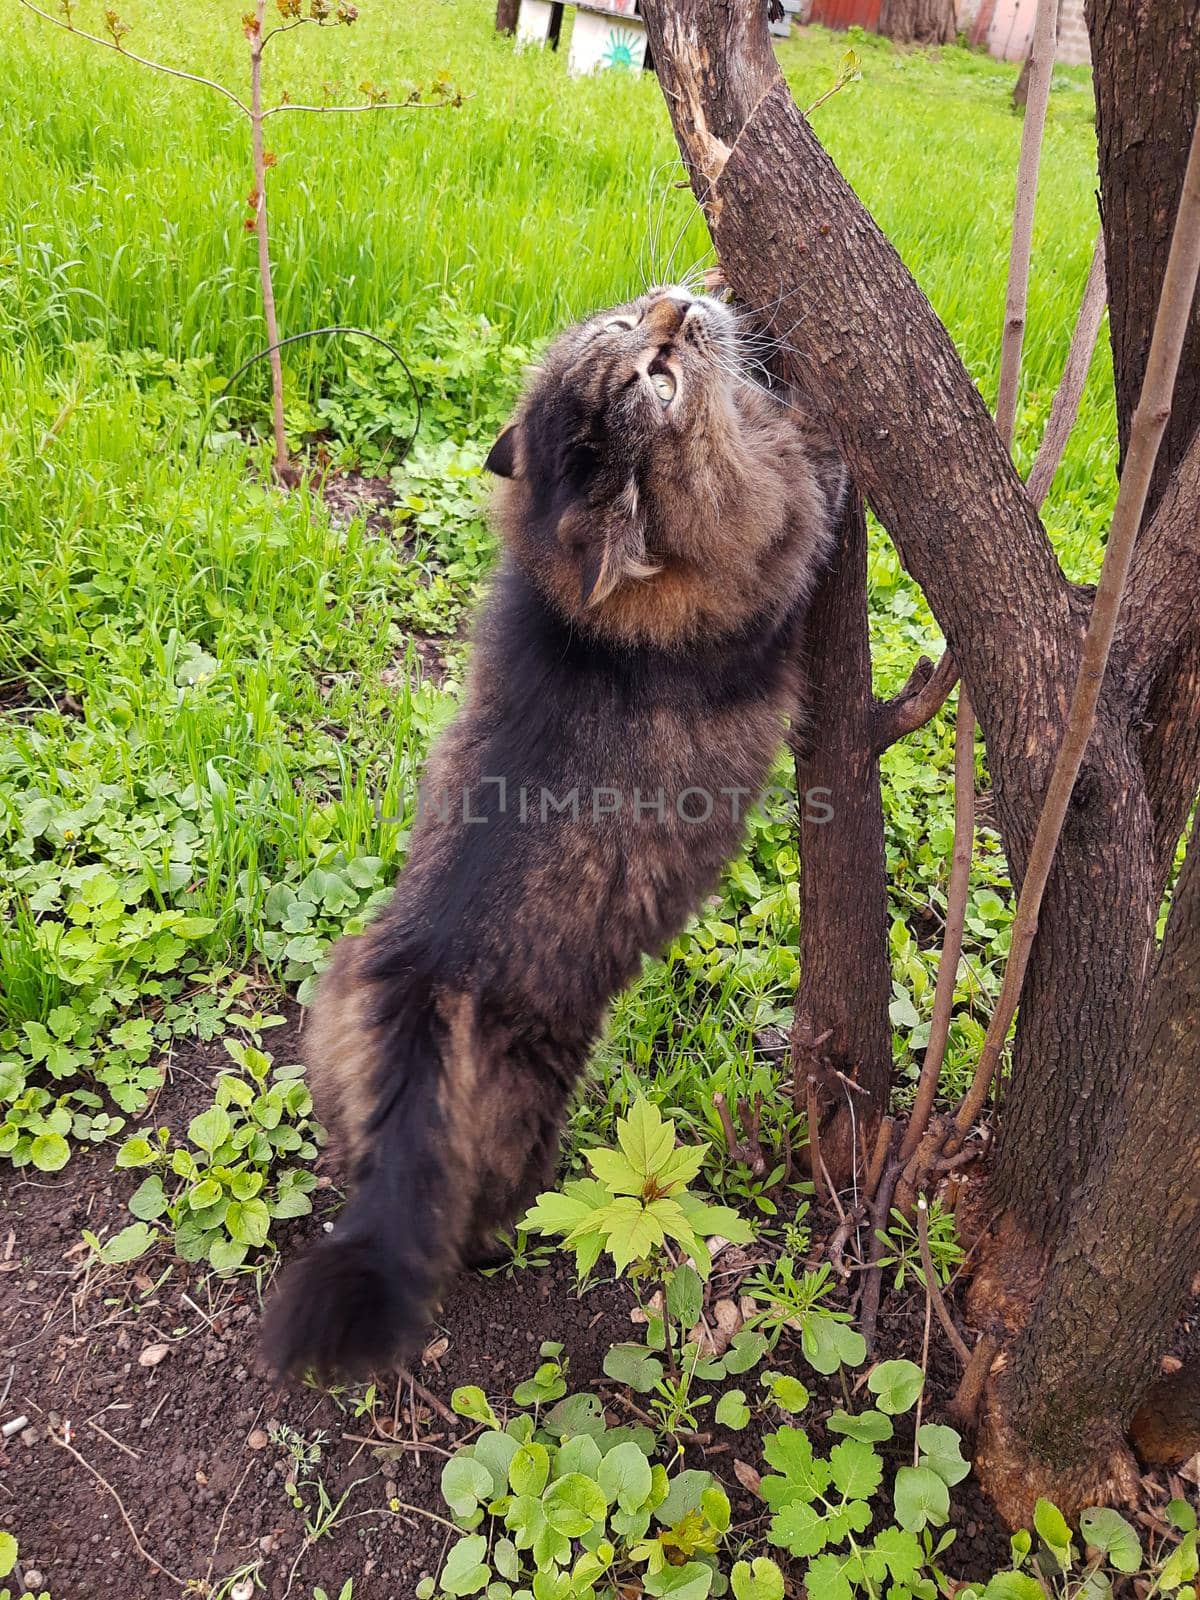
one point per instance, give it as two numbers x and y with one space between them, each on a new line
1117 1283
1146 64
506 15
918 21
845 979
1146 67
917 437
920 441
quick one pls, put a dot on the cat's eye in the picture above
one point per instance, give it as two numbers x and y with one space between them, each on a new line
663 385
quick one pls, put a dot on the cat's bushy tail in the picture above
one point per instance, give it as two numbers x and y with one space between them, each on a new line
363 1297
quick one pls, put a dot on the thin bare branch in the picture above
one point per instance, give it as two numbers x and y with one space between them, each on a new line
367 105
1065 407
142 61
262 234
956 915
1041 66
1146 431
934 1288
922 697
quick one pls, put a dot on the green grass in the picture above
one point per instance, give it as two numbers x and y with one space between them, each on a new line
211 692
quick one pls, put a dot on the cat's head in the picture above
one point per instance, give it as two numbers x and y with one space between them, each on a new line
644 472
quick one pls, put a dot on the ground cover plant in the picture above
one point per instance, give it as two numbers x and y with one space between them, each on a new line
216 700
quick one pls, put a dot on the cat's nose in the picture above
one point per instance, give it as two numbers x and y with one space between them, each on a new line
665 317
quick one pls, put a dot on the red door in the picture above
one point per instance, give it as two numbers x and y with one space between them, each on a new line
847 13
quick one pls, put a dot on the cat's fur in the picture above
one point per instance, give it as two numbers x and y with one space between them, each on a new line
641 637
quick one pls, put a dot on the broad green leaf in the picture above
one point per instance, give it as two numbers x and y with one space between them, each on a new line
901 1551
715 1507
1052 1527
1181 1515
732 1410
829 1344
574 1504
682 1497
464 1571
127 1245
471 1402
578 1413
580 1453
801 1477
248 1221
225 1255
465 1482
1108 1532
788 1393
135 1152
210 1129
530 1469
759 1579
856 1469
547 1384
921 1497
624 1477
685 1295
206 1193
1181 1565
572 1213
646 1139
872 1427
746 1351
1014 1586
941 1449
633 1364
49 1152
149 1199
896 1385
8 1554
616 1173
692 1581
800 1529
506 1560
826 1578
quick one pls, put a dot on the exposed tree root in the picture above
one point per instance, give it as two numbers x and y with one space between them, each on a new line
1166 1429
1014 1480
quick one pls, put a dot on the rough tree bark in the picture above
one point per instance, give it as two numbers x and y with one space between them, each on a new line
841 1019
506 15
1123 1271
918 21
1146 63
921 444
793 239
1146 67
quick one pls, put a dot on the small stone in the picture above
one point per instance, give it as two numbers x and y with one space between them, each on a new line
153 1354
33 1578
257 1439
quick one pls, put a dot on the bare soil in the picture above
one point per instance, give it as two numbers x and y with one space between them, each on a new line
185 1457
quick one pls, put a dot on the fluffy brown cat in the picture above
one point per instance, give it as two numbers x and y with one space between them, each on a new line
635 666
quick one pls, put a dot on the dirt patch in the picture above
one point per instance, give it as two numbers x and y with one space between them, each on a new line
200 1446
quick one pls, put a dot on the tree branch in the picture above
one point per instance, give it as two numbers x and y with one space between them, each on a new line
1041 67
922 697
143 61
905 415
1065 407
1149 424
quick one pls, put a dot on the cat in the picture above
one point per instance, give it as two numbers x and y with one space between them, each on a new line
635 665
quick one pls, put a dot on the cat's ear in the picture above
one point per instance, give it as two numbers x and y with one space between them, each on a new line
502 457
